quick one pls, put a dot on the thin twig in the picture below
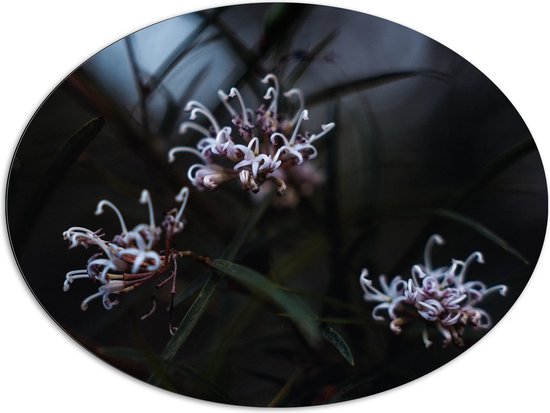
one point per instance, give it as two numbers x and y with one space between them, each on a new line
142 94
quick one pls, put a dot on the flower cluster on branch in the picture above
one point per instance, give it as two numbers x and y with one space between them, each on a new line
439 296
258 145
132 257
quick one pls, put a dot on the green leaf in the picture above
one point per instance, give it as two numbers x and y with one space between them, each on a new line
333 320
464 220
321 298
497 165
493 168
189 290
73 148
481 229
167 366
191 318
279 381
300 313
332 336
364 83
287 387
310 248
68 154
202 301
92 93
248 224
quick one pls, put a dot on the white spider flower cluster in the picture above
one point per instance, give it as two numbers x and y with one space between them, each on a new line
131 258
439 296
257 146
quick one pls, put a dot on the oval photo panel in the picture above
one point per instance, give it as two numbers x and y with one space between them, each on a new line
276 205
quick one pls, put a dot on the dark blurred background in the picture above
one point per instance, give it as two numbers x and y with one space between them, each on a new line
424 144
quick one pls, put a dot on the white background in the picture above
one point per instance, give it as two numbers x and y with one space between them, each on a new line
42 368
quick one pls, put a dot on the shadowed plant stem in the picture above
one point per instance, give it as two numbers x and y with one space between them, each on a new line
285 390
336 287
138 79
202 301
181 51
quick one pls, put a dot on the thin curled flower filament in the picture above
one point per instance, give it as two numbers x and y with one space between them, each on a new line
235 92
438 296
107 264
434 239
324 130
195 126
178 149
131 258
475 256
100 209
264 145
75 235
303 116
224 97
272 92
301 102
182 197
74 275
146 199
197 107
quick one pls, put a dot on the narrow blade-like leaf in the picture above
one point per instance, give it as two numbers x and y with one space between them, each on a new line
300 313
334 338
66 157
483 230
181 51
364 83
169 366
200 304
